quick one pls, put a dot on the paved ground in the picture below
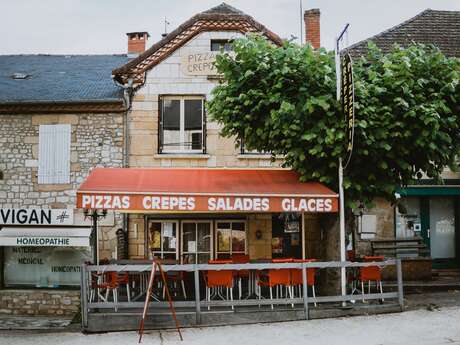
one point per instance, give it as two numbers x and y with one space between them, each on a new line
416 327
431 319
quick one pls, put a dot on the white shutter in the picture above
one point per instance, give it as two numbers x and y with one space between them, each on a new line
54 154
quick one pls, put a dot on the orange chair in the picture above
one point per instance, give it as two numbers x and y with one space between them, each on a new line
370 274
219 279
297 278
241 274
275 277
107 281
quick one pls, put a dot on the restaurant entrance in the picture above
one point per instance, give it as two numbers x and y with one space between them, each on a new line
287 235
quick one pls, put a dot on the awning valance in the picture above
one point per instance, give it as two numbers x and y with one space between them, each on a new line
203 190
32 236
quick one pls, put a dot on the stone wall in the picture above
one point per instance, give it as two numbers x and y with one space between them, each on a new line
39 302
96 140
385 226
167 78
259 248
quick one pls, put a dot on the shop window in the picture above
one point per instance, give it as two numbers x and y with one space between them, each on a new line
196 242
408 220
230 238
40 267
182 124
163 239
221 45
54 154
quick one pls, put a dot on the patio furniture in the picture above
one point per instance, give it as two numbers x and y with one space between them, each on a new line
241 274
275 278
370 274
216 280
297 278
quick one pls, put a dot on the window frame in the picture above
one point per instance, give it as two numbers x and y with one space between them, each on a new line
230 252
222 42
160 136
162 252
196 253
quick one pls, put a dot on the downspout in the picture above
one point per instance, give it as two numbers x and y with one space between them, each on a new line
127 94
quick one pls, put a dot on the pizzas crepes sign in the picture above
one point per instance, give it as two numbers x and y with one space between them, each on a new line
206 203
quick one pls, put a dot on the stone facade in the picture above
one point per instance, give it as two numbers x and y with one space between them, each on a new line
39 302
96 140
167 78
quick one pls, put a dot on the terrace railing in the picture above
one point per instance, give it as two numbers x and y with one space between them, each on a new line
197 304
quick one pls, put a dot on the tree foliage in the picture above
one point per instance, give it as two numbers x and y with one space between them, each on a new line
283 100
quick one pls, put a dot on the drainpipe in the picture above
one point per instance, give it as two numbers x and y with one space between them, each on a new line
127 93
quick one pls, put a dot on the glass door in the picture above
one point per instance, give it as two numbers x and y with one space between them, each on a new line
442 228
196 242
162 236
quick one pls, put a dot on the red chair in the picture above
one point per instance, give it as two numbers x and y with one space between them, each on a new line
216 280
107 281
241 274
371 274
297 277
275 277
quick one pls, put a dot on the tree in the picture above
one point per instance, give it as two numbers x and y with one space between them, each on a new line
283 100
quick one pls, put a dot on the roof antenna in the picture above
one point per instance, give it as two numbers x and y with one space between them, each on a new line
166 28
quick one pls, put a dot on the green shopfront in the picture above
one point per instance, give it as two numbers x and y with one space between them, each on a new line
432 212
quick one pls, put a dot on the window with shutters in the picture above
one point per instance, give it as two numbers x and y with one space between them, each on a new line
182 124
54 154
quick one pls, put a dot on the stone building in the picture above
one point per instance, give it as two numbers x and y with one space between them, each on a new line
170 134
430 211
60 116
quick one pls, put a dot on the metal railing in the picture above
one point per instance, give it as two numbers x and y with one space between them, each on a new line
197 304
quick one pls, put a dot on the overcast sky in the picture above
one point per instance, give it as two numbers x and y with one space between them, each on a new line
99 26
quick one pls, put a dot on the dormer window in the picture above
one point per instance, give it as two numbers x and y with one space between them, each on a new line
221 45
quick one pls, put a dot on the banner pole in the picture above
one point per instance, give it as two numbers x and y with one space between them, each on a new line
340 172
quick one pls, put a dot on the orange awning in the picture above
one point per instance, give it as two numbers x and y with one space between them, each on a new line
203 190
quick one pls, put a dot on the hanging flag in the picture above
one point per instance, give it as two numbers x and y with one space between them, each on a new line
347 96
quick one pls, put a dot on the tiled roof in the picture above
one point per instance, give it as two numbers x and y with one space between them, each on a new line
59 78
220 18
440 28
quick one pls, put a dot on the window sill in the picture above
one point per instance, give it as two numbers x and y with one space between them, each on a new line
181 156
257 156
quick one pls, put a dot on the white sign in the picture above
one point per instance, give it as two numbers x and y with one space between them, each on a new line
199 63
45 241
36 216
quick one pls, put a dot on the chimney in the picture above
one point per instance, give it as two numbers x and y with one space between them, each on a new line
136 43
312 27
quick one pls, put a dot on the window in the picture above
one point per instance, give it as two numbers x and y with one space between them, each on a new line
196 242
163 239
230 238
49 267
221 45
54 154
182 124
